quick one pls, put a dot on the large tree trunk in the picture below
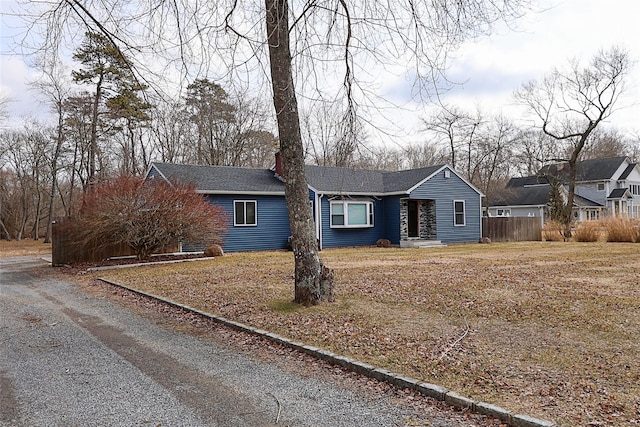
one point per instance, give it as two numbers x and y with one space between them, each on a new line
313 281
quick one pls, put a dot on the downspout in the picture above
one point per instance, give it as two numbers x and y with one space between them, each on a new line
319 220
482 217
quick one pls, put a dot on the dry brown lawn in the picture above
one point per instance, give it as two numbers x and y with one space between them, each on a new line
547 329
24 247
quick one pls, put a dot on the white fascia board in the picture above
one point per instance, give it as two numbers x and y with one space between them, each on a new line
437 172
358 194
242 193
515 206
159 172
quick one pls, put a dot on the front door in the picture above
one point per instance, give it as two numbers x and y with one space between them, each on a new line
413 219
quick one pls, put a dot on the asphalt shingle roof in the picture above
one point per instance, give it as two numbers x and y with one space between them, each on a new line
527 181
627 171
588 170
523 196
223 178
534 196
617 193
344 180
321 178
404 180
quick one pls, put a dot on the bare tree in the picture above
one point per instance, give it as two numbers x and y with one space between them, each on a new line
492 155
605 143
329 139
171 131
568 105
534 149
307 45
55 88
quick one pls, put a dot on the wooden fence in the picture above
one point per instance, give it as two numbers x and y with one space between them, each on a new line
66 250
511 229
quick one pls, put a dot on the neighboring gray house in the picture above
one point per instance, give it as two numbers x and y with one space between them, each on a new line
351 207
604 187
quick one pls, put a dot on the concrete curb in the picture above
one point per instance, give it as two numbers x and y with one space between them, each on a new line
431 390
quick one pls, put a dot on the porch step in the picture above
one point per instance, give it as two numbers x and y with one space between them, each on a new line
421 244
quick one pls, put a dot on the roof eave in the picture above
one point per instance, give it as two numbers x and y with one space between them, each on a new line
242 193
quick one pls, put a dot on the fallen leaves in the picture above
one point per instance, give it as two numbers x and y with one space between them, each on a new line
546 329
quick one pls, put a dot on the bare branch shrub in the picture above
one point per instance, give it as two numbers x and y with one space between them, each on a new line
148 215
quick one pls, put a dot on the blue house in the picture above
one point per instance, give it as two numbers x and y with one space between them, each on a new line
351 207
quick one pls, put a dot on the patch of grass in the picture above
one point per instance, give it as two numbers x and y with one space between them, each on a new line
24 247
286 307
543 328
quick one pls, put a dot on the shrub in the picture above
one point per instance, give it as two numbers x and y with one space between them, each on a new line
587 231
553 231
383 243
620 229
148 215
214 251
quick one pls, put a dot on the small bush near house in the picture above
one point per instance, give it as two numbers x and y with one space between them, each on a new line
214 251
621 229
553 231
587 231
383 243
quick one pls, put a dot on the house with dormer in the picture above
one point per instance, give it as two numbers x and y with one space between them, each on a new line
351 207
604 187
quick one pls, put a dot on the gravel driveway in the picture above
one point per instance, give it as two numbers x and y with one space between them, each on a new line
71 358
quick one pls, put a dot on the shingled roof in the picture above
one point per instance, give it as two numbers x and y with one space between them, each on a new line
353 181
523 196
627 171
224 179
535 196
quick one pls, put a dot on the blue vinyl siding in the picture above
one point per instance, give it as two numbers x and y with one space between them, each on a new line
271 232
392 219
338 237
444 191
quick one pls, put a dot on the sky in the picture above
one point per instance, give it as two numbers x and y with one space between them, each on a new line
488 69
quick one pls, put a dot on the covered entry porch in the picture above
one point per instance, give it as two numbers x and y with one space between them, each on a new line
418 223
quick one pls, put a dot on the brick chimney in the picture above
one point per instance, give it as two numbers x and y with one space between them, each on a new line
278 164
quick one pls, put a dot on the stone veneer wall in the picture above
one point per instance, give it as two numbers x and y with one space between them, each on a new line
404 216
428 220
427 212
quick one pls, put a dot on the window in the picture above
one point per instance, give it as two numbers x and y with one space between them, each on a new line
458 213
351 214
245 213
504 212
601 186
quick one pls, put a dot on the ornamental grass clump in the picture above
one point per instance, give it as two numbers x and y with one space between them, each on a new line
588 231
621 229
553 231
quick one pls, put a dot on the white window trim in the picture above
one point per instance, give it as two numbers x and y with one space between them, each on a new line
464 213
244 203
345 206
